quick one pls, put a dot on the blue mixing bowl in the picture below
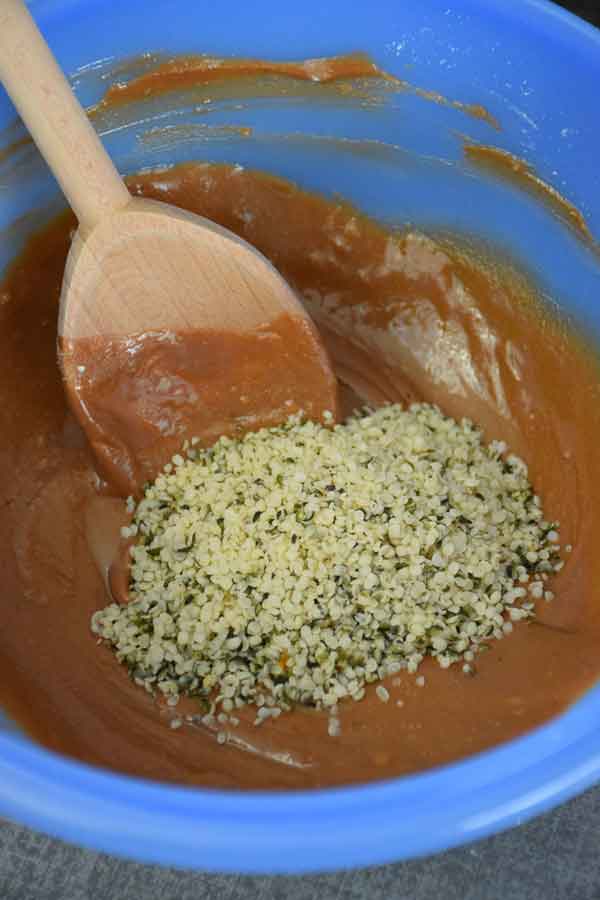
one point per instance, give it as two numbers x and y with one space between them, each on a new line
537 70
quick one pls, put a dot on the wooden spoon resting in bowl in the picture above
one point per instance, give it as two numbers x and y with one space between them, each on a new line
170 326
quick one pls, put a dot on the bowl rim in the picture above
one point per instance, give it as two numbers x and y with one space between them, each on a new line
261 831
324 829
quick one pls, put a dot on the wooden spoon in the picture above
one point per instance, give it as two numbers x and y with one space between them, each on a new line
170 326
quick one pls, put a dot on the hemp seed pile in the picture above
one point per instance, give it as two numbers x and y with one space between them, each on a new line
301 562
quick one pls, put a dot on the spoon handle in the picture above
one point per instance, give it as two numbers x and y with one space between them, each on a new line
56 120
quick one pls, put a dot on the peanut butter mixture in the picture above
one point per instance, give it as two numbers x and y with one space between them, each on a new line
405 318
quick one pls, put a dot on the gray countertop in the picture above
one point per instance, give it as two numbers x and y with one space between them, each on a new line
555 857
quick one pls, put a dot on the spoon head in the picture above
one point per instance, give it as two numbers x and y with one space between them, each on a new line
171 329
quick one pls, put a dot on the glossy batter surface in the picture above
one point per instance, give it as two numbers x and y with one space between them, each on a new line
139 397
404 317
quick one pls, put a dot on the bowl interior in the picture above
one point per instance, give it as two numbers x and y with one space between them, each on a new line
399 158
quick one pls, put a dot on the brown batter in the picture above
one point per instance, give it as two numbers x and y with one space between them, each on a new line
139 397
404 317
518 172
349 74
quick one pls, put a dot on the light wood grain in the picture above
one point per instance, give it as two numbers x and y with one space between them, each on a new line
151 267
55 119
138 266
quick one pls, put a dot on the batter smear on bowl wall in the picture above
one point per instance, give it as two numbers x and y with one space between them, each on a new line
314 604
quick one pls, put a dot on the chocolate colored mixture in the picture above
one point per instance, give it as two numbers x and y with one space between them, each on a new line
404 317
